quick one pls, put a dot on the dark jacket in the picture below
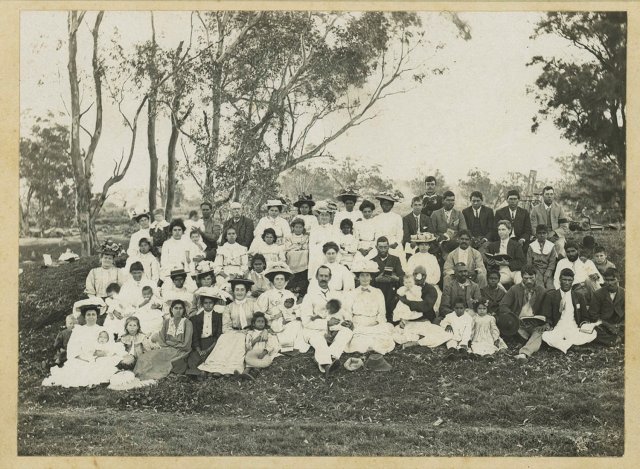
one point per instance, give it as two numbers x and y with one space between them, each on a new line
244 229
521 223
551 307
429 298
484 227
410 228
431 204
513 300
453 290
198 321
390 261
605 309
514 250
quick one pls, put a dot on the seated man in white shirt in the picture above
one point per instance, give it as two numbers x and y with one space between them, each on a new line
587 277
314 314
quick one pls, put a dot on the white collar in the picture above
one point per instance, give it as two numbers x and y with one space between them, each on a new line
548 246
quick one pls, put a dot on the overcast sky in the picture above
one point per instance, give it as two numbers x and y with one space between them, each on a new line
477 114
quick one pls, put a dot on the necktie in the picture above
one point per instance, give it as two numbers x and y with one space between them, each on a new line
365 289
477 212
563 303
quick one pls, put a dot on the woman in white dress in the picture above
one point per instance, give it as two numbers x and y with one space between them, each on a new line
371 331
365 231
87 364
273 220
342 278
305 204
175 250
325 232
348 197
131 292
142 218
227 357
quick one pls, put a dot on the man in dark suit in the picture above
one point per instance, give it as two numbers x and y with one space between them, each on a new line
243 226
479 219
414 223
607 305
389 276
431 201
207 327
526 299
519 217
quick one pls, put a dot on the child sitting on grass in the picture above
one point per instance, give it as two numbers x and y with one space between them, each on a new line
261 344
600 260
459 324
115 312
493 293
135 342
485 336
62 340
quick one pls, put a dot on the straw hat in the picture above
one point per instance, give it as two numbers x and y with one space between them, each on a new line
241 281
80 307
423 238
137 214
325 207
126 380
109 247
348 193
508 324
352 364
177 296
274 203
376 362
203 267
362 265
177 272
213 292
388 195
278 268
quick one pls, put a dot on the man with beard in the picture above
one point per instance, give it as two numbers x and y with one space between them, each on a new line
466 254
525 300
587 279
243 226
607 305
430 201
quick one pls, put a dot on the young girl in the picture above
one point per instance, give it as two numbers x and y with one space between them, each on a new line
296 248
197 248
260 283
151 266
267 246
194 222
231 261
485 336
542 255
149 313
135 342
115 311
261 345
347 242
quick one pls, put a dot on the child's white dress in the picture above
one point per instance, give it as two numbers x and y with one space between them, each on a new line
484 334
423 331
348 247
271 345
462 327
112 324
150 318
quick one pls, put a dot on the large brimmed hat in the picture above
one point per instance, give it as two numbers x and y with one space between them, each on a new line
110 247
376 362
423 238
278 268
362 265
274 203
353 363
177 272
202 268
508 324
213 292
137 214
388 195
325 207
304 199
187 298
240 281
348 193
126 380
80 307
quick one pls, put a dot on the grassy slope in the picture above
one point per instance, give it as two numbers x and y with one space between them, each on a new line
553 405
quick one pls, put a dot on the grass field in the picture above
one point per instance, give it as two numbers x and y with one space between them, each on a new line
555 404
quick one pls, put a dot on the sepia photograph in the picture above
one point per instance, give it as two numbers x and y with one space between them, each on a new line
322 233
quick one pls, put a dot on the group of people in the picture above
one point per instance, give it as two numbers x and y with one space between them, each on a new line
199 299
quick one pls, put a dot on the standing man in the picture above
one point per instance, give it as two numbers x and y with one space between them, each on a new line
211 232
431 201
447 220
549 212
414 223
479 219
389 275
519 217
315 320
243 226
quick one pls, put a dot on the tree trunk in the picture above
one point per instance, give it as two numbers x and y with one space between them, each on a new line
151 146
171 169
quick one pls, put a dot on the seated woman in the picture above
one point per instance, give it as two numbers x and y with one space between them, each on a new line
260 283
131 292
510 267
274 221
142 220
101 277
176 287
176 250
278 306
342 279
323 233
147 259
227 357
267 246
365 231
231 260
428 261
91 359
174 340
296 249
371 331
204 276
